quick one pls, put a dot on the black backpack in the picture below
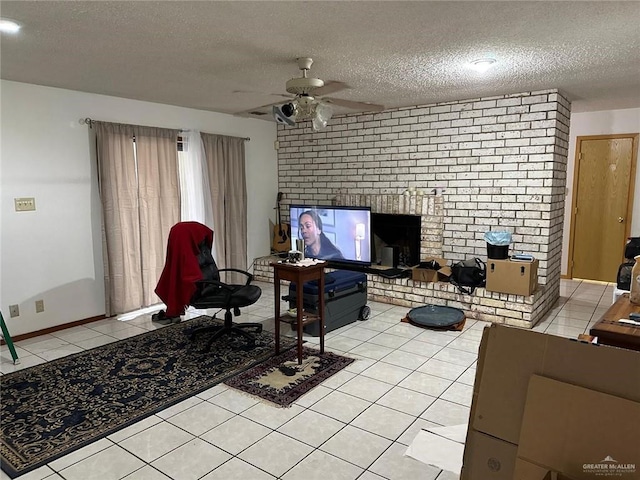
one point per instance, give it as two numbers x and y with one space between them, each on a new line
468 274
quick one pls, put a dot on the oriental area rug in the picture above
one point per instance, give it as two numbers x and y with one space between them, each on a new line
52 409
281 380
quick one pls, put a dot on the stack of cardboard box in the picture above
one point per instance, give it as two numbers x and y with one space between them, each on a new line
550 407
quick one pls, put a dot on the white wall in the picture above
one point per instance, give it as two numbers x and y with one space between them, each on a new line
607 122
55 253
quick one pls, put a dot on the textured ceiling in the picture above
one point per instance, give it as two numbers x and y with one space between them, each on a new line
231 57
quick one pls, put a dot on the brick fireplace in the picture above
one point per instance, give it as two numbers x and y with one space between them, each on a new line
500 161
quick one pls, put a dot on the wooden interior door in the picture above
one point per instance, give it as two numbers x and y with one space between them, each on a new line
602 205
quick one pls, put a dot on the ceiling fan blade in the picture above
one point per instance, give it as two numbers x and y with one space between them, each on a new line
254 92
362 106
331 86
261 111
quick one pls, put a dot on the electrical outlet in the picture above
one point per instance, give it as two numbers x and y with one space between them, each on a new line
39 306
14 311
25 204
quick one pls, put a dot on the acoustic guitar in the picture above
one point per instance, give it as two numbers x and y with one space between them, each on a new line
281 232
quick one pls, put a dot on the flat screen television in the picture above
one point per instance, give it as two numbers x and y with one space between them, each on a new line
341 235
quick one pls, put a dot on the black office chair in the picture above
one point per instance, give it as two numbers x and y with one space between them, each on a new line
211 292
191 277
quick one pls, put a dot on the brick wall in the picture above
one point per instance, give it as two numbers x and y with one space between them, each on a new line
500 160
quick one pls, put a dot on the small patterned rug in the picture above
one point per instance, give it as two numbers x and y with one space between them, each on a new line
280 380
52 409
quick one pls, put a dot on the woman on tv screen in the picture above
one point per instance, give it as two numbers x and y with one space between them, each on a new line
316 243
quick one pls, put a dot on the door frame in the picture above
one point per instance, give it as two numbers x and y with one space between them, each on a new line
576 176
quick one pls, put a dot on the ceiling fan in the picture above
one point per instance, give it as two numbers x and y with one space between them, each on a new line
308 101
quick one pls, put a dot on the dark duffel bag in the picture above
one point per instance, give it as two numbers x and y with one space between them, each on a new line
468 274
624 276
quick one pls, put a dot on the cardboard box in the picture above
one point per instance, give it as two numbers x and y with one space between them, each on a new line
429 275
512 355
528 471
579 432
507 276
488 458
507 359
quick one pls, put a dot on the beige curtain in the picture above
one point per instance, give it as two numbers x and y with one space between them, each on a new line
140 202
159 197
225 158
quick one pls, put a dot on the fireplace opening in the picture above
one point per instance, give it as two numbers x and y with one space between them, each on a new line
400 231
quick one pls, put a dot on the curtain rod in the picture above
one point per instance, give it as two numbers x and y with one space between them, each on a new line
90 121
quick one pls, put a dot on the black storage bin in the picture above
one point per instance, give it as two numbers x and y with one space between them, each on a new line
497 244
345 300
497 252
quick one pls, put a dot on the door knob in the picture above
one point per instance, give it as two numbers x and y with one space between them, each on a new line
620 219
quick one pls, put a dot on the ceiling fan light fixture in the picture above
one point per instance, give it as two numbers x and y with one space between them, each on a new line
323 114
482 64
285 114
289 109
305 107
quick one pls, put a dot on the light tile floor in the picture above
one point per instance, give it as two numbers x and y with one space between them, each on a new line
356 425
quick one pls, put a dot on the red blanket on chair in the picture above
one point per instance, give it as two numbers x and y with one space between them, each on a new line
181 271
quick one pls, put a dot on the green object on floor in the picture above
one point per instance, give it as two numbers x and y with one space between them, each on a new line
7 338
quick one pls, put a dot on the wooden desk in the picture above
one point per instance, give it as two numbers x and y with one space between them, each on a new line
610 332
299 275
